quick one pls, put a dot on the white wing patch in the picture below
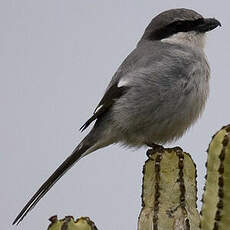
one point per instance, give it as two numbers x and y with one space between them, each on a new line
123 82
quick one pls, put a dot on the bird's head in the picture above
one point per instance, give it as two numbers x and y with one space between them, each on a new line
180 26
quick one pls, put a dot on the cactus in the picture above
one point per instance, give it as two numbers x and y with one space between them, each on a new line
169 191
215 212
68 223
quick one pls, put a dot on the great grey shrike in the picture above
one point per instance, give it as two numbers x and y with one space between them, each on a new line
156 94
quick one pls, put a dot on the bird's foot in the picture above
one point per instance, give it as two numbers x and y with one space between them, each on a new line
155 147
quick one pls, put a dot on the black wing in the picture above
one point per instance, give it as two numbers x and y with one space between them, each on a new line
110 96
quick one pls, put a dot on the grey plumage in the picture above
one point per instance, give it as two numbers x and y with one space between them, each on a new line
157 93
168 90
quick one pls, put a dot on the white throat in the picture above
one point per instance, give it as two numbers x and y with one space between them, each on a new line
187 38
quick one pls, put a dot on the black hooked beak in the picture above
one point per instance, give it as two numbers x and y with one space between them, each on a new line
208 25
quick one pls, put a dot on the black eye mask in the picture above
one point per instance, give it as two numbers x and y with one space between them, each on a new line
175 27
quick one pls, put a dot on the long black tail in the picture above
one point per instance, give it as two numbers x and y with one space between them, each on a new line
60 171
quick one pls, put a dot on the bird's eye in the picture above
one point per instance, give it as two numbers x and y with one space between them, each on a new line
200 21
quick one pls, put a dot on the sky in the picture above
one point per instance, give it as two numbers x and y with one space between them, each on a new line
56 59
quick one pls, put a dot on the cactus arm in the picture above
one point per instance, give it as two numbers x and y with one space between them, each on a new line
215 213
169 191
68 223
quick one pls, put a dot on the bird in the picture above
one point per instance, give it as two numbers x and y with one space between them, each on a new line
157 93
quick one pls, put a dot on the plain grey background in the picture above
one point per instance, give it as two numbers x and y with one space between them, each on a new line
56 58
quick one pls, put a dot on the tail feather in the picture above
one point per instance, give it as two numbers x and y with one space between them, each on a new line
59 172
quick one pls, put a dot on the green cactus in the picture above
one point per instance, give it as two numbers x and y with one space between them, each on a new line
68 223
215 213
169 191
